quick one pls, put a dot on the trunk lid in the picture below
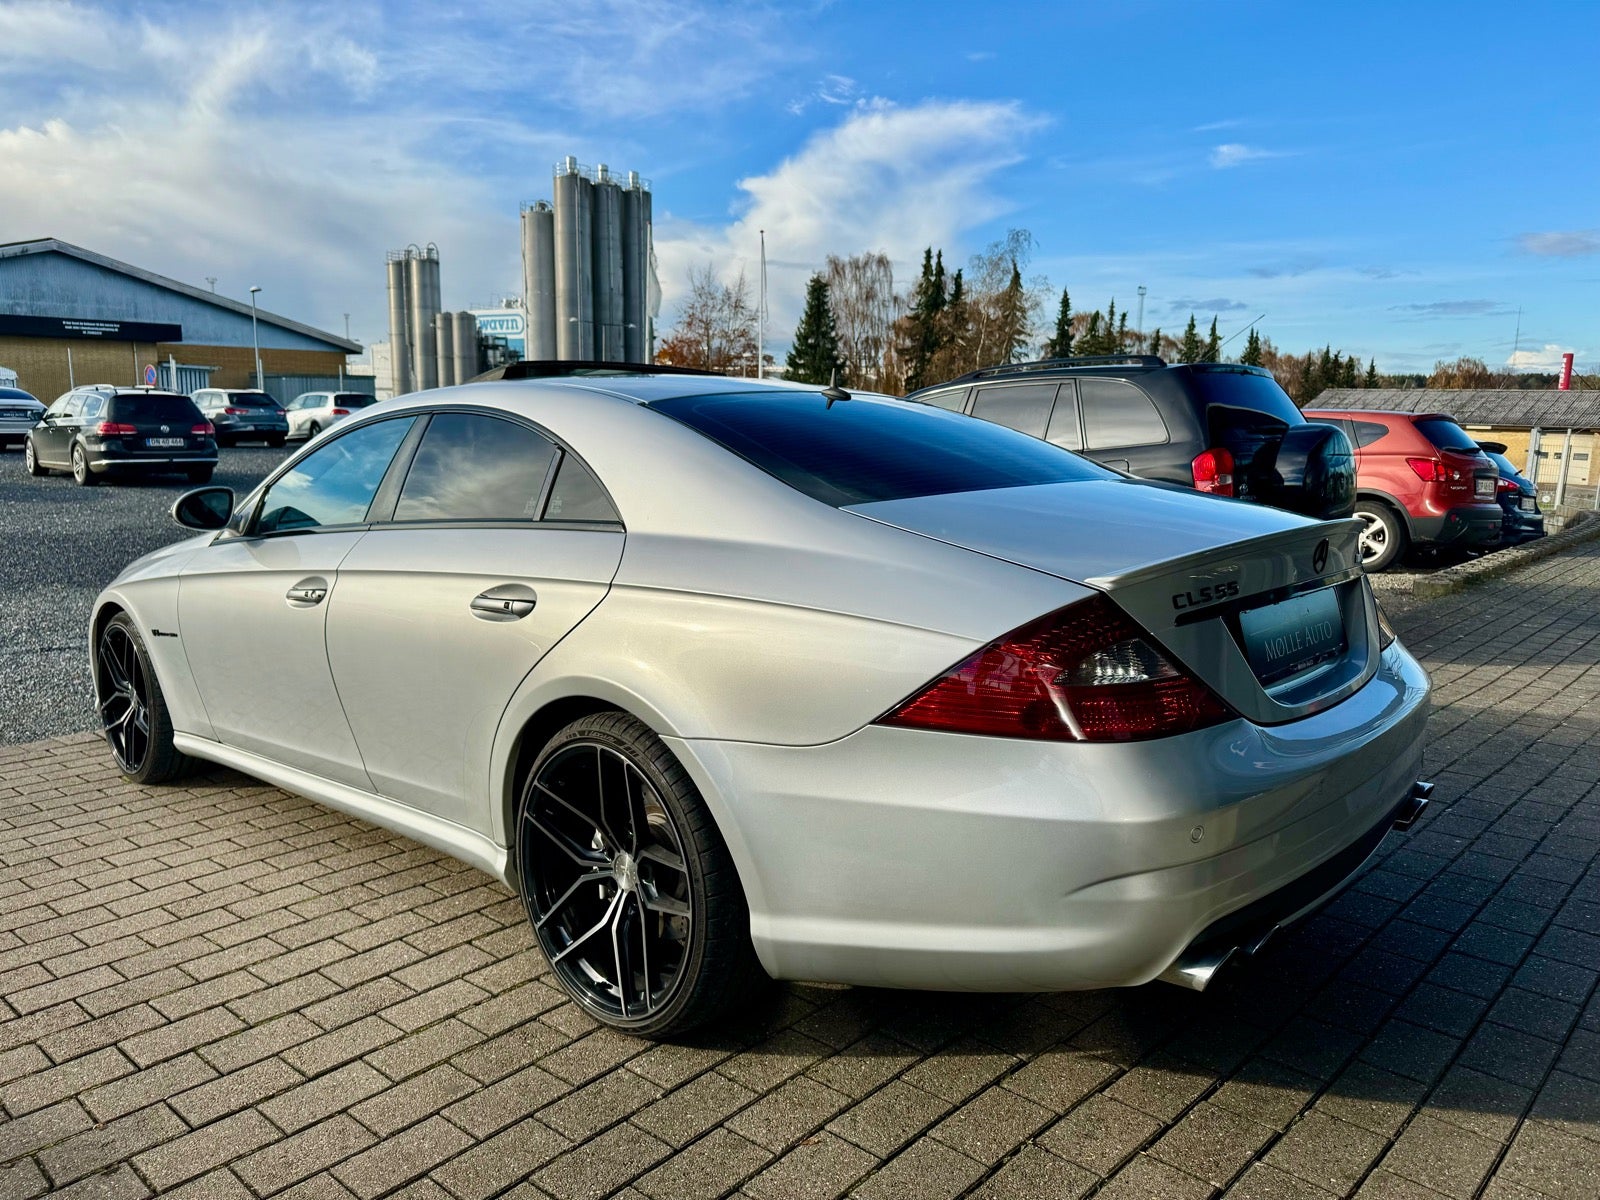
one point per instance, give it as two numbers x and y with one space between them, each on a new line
1269 609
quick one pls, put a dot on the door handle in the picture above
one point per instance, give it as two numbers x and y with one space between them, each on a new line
509 603
308 592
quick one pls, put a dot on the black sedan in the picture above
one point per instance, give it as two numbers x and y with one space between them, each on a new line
1521 520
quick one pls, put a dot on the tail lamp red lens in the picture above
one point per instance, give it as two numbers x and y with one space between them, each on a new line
1506 485
1085 673
115 429
341 412
1213 472
1431 470
237 412
204 429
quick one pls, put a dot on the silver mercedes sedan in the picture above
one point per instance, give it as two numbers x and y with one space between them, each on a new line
733 680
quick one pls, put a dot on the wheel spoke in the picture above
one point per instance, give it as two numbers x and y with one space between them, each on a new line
605 919
597 825
671 905
112 667
667 858
587 877
644 949
624 974
584 858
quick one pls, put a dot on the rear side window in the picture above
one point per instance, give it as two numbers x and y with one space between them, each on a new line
576 495
93 406
475 468
951 399
334 484
860 451
1117 414
1445 434
138 409
1368 432
1024 407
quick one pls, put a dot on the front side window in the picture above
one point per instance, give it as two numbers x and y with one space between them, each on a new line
476 468
1117 414
335 484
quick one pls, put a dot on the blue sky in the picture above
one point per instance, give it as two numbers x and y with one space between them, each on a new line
1396 179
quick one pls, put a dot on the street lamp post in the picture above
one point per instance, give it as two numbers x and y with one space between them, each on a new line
255 339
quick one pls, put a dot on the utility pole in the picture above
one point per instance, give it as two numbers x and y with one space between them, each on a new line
255 339
1139 324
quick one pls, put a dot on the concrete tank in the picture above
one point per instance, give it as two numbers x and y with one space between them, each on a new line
607 232
422 287
539 279
574 263
635 268
444 346
399 330
464 344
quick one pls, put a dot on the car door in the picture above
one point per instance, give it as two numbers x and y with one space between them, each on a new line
252 606
500 543
62 425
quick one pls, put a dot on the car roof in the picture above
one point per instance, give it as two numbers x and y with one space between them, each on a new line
648 389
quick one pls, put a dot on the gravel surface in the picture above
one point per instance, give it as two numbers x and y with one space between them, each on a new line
59 545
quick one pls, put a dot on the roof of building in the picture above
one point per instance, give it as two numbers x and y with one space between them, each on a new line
1545 408
238 307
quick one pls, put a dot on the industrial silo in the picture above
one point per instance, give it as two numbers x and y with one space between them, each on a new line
444 349
399 336
574 263
464 344
539 280
608 314
422 286
635 267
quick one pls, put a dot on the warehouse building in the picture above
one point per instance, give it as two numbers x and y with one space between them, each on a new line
71 316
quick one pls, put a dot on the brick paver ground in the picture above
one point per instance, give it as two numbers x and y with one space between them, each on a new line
222 990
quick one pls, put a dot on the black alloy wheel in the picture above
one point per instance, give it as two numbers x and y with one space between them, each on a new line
81 474
133 712
630 889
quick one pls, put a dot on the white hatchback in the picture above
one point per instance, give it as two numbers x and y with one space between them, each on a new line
311 412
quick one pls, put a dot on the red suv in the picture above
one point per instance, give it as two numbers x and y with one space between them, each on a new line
1420 480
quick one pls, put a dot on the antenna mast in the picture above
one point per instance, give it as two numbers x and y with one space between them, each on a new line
761 313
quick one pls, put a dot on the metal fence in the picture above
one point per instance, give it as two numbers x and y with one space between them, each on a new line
284 388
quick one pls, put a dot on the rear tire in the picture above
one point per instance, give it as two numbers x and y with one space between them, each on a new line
1383 535
30 462
633 897
312 430
133 712
81 474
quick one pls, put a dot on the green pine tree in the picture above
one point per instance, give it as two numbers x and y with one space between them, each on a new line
1122 333
1108 331
924 326
1252 350
1372 374
1155 342
1190 350
1012 334
814 355
1060 344
1089 343
1213 350
1347 373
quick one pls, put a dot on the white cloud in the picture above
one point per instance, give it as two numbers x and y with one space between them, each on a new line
886 178
1545 358
1570 243
1236 154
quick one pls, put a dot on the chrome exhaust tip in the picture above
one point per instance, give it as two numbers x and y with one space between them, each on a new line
1197 972
1415 802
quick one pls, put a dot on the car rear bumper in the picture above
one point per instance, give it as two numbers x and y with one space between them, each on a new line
1469 526
169 462
906 858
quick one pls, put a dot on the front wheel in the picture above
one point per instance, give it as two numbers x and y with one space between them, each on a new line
1383 536
30 461
630 888
81 474
133 712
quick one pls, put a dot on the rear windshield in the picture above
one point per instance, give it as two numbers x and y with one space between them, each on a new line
1502 462
1445 434
1244 390
251 400
137 409
14 394
860 451
353 400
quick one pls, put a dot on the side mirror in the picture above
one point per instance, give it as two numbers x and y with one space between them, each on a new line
204 508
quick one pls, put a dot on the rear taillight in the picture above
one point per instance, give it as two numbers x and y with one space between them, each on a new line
1507 485
116 429
1431 470
1213 472
1083 673
341 412
237 412
204 429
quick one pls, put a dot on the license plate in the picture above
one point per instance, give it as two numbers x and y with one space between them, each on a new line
163 443
1527 504
1483 487
1282 640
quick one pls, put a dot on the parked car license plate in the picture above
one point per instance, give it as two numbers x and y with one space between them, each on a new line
163 443
1296 635
1527 504
1484 487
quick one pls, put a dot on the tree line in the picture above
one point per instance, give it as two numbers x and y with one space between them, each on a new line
857 329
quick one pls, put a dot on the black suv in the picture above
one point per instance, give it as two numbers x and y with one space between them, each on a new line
103 430
1217 427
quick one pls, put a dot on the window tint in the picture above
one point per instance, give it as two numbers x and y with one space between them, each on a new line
353 400
1064 430
335 484
1024 407
576 495
864 450
473 468
1117 414
1445 434
152 408
1368 432
951 399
